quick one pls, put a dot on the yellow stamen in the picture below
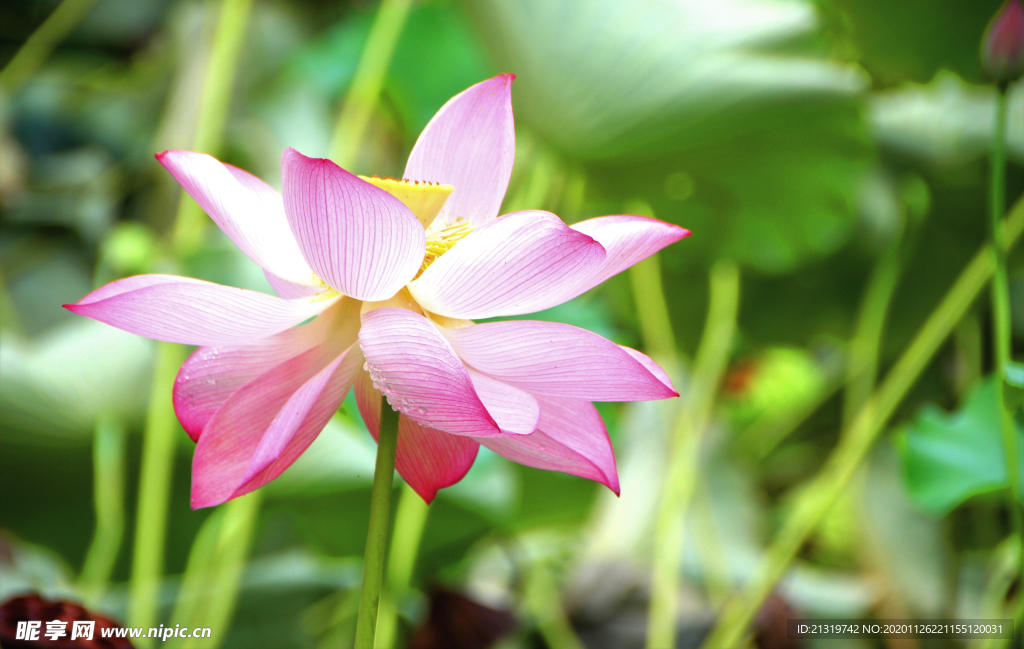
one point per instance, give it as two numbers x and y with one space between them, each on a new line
329 294
424 199
442 241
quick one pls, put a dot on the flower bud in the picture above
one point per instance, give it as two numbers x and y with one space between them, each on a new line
1002 48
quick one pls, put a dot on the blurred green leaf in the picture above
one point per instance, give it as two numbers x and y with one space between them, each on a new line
56 386
603 79
945 121
950 457
437 57
910 40
691 107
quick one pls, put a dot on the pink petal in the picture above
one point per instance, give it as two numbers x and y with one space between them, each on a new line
558 360
427 459
291 290
212 374
519 263
193 312
571 439
627 240
412 363
361 240
470 144
514 411
292 402
651 367
247 209
299 422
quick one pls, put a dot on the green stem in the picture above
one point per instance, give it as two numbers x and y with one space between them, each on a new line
545 605
1001 342
651 307
865 348
410 519
190 224
377 535
858 439
154 489
108 498
362 95
712 356
161 424
211 582
42 41
655 326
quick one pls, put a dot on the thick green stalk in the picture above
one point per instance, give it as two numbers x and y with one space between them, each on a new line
108 501
190 224
1001 343
362 95
855 443
377 535
42 41
712 356
154 489
410 519
210 585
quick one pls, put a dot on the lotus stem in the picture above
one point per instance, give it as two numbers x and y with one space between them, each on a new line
1001 345
108 500
855 443
209 590
377 535
652 311
41 43
368 80
154 489
865 348
410 519
681 481
161 423
190 224
545 605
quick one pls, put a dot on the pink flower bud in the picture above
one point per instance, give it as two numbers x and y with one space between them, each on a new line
1002 48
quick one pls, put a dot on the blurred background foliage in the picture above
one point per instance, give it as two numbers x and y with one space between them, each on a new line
800 139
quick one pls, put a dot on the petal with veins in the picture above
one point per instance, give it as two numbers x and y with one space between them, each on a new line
299 422
291 290
307 389
247 209
193 312
426 458
212 374
571 439
513 410
412 363
360 239
559 360
520 263
627 240
470 144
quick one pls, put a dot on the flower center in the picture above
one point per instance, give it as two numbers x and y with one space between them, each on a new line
441 241
424 199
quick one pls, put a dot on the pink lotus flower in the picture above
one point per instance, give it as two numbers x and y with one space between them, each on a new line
394 270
